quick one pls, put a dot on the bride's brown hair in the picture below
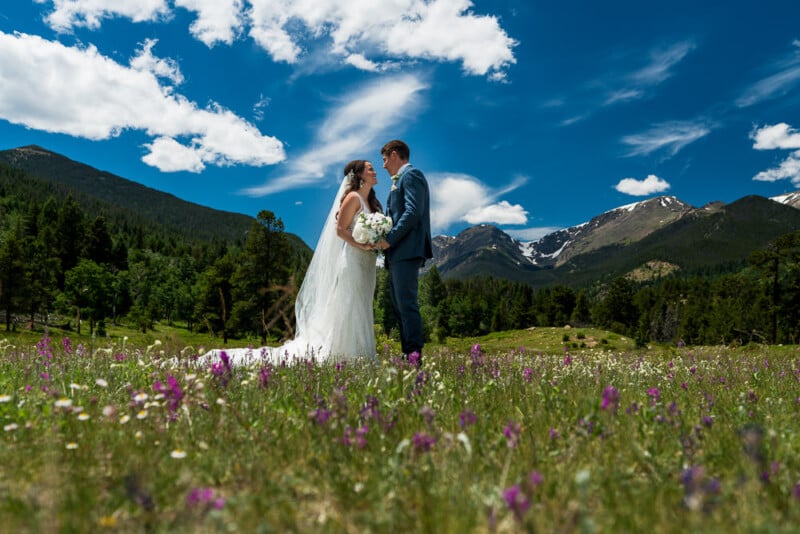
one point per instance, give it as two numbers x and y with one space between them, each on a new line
357 167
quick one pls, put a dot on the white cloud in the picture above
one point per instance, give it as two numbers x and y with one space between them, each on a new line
789 169
106 98
68 14
779 135
218 21
648 186
501 213
460 197
163 68
669 136
349 131
366 31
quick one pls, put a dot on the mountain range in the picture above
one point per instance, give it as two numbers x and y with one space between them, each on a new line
643 240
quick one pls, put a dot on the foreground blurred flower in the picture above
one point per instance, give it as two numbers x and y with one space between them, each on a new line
467 418
516 501
10 427
63 402
610 399
512 432
204 497
423 442
71 446
178 454
5 398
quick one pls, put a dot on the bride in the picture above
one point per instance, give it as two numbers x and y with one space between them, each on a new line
334 306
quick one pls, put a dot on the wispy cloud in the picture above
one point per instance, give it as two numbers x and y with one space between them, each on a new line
616 88
659 68
784 76
670 137
784 137
106 98
648 186
464 198
362 33
350 128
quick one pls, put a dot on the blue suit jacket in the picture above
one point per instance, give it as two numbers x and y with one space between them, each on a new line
409 206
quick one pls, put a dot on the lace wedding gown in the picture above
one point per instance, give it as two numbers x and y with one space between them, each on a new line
333 309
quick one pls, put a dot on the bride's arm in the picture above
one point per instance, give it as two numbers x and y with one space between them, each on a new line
348 210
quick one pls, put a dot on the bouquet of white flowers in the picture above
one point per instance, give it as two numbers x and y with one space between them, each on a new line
371 227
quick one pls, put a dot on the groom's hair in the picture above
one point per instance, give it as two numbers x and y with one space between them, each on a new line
398 146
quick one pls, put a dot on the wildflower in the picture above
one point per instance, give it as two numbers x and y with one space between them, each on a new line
516 501
140 397
63 402
5 398
222 370
428 414
10 427
101 382
567 359
527 374
172 392
83 416
178 454
512 432
124 419
477 356
264 376
535 479
610 399
423 442
66 344
708 421
357 438
654 394
554 433
467 418
142 414
796 491
71 446
204 497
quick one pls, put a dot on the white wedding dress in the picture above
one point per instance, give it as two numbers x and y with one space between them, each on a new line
333 308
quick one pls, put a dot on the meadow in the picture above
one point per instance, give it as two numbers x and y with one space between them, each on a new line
546 430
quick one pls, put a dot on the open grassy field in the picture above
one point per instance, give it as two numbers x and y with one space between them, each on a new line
550 430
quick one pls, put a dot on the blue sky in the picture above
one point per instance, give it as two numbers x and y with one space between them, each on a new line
530 115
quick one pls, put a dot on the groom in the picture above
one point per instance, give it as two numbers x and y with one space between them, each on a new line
408 244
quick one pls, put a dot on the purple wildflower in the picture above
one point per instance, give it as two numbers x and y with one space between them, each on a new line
654 394
264 376
173 393
423 442
610 399
512 432
467 418
516 501
527 374
204 498
413 359
66 344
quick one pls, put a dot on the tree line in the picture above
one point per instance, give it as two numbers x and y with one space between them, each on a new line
61 266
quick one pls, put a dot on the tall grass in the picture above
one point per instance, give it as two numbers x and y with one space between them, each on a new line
136 438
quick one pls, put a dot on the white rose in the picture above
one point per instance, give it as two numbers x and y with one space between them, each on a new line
360 233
